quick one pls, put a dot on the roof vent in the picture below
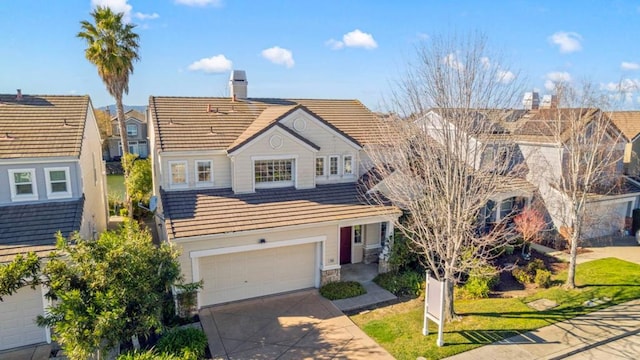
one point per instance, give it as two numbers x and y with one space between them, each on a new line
19 95
6 136
531 100
238 84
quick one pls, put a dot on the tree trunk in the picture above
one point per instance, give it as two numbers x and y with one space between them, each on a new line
449 313
125 149
573 256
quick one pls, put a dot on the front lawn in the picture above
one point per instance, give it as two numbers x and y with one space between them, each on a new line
398 328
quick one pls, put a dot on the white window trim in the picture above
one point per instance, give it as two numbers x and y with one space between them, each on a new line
344 160
337 157
271 185
184 185
34 186
196 173
324 166
57 195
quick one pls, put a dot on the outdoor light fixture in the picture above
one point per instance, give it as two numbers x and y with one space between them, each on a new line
262 241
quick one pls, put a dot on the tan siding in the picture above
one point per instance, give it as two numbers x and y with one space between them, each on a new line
221 170
372 234
261 147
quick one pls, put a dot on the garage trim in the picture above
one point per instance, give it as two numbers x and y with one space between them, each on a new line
195 255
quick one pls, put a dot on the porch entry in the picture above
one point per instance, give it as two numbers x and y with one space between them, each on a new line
345 245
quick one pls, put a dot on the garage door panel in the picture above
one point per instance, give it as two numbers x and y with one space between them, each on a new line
236 276
17 319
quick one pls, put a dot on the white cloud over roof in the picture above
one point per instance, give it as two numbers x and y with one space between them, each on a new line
278 55
505 76
629 66
356 39
567 42
199 2
214 64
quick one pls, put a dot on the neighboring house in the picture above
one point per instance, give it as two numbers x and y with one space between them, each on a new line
136 125
51 179
629 123
526 136
262 195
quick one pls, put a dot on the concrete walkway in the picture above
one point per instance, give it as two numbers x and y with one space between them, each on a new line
582 337
364 274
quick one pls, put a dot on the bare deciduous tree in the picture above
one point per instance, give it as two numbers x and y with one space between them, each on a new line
436 169
589 148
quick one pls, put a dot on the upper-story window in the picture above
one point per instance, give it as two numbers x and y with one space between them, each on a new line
333 165
320 166
178 174
132 130
58 182
23 184
274 173
204 172
347 166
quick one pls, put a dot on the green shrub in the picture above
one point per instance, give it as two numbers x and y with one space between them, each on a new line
487 273
522 276
406 283
148 355
187 342
534 265
508 249
474 288
342 290
543 278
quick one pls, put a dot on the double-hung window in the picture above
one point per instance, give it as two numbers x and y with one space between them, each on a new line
58 182
178 177
132 130
320 166
274 173
23 184
333 165
204 173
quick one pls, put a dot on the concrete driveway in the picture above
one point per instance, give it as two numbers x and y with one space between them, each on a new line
299 325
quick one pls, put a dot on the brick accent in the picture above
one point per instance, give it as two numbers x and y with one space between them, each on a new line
329 276
371 255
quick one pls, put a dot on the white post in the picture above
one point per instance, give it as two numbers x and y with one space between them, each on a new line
440 341
425 322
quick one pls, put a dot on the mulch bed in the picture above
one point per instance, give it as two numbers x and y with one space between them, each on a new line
509 286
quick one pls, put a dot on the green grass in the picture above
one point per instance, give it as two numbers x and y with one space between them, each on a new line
115 186
398 328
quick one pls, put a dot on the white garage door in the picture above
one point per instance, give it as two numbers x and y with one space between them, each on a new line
17 319
248 274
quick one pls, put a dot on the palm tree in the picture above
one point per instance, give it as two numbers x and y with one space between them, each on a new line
112 47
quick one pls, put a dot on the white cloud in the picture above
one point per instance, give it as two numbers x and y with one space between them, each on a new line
214 64
355 38
625 86
278 55
423 36
451 61
118 6
552 78
486 63
505 76
142 16
567 41
629 66
199 2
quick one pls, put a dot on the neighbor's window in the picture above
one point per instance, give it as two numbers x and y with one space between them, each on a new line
58 182
270 173
178 173
132 130
357 234
320 166
347 166
204 172
23 185
333 165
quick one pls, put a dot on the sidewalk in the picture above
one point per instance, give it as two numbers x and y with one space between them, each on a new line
569 338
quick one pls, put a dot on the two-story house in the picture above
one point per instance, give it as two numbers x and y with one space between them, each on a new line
51 179
136 125
629 123
262 195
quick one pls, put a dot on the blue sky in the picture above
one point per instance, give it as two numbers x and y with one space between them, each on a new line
313 49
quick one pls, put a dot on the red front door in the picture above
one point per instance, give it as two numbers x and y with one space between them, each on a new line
345 245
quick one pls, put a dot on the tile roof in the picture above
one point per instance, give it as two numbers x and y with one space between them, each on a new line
185 123
628 122
41 125
207 212
131 114
32 227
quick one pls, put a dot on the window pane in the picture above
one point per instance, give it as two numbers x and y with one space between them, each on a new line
22 177
178 174
204 171
333 165
348 170
24 189
273 170
59 187
57 175
357 234
132 130
319 166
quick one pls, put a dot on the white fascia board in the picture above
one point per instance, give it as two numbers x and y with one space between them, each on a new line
258 246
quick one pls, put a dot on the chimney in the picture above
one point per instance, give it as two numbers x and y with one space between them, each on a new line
238 84
19 95
549 102
531 100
